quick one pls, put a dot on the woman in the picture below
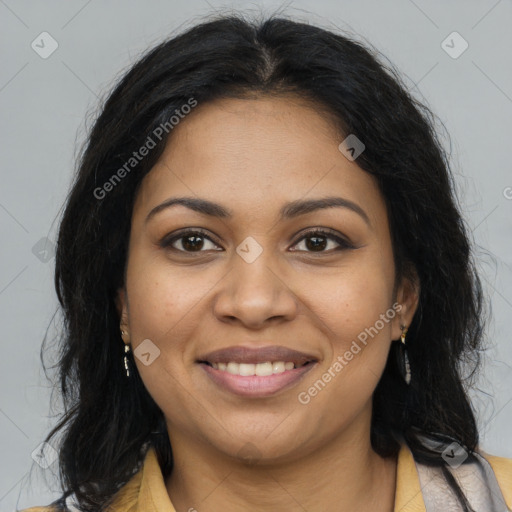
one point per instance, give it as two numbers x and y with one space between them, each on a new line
268 289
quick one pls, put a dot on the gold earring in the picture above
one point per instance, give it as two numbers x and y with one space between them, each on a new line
404 332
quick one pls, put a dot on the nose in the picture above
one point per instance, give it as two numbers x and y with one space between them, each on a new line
254 294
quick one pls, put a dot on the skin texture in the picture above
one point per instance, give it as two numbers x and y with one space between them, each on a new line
252 156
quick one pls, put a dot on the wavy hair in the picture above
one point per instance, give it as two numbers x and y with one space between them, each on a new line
109 421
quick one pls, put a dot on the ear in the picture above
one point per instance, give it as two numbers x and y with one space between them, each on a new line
122 308
407 295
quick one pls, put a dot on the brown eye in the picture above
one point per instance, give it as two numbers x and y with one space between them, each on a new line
188 241
317 240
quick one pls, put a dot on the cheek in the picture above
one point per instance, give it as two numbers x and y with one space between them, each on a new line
163 307
360 342
350 304
356 309
163 297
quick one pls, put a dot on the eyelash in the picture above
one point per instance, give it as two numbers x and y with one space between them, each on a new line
167 242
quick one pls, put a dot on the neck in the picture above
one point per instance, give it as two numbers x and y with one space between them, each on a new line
342 475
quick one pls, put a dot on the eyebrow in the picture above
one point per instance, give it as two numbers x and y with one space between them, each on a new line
288 211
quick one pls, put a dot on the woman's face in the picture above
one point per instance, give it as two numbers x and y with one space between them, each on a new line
255 282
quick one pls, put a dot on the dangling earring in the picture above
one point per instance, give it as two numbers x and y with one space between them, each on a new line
126 351
126 367
406 367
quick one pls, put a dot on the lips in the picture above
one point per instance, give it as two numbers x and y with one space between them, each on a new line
256 372
257 355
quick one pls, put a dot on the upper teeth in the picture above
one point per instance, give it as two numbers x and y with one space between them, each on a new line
248 369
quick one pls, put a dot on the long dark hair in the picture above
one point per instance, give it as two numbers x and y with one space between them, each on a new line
110 421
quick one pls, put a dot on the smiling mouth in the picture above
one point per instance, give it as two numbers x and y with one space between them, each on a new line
256 380
263 369
256 372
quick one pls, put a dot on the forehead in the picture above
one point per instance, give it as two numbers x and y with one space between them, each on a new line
251 153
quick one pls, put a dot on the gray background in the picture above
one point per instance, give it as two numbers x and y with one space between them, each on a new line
44 105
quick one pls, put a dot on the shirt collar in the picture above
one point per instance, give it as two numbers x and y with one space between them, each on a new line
146 491
408 496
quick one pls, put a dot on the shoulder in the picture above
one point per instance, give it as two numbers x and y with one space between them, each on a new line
502 468
501 465
485 480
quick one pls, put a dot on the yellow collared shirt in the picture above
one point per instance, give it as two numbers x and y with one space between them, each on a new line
146 491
